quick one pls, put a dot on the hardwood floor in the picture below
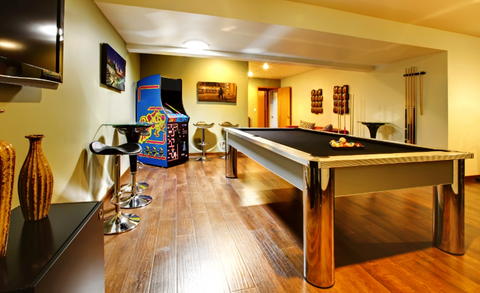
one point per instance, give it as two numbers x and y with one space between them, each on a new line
206 233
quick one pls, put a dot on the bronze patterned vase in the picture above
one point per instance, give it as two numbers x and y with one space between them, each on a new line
35 182
7 172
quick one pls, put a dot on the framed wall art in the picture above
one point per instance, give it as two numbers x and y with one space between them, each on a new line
112 68
223 92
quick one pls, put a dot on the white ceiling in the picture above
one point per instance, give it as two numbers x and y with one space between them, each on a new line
289 51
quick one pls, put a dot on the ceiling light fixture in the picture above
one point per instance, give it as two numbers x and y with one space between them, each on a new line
265 66
196 45
250 74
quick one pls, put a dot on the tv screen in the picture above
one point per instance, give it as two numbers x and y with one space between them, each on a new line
31 40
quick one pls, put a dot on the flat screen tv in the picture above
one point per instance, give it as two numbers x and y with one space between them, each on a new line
31 42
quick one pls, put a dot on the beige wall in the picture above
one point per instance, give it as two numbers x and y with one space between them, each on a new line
378 96
253 85
193 70
71 116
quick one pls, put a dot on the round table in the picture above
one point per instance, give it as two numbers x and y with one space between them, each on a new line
373 127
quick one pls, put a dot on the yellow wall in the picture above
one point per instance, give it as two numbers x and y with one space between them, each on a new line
71 116
378 96
193 70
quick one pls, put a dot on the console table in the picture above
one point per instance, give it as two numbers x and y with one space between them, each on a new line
61 253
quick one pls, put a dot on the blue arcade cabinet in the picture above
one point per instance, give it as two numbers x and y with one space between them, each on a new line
159 101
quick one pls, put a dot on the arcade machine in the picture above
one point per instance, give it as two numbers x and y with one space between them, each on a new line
159 101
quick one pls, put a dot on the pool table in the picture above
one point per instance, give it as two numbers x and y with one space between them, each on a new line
306 160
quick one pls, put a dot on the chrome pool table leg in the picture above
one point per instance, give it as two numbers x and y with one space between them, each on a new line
230 161
449 212
318 225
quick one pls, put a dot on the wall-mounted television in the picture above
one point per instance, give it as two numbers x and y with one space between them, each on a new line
31 42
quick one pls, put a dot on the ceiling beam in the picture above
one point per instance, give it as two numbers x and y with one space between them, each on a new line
177 51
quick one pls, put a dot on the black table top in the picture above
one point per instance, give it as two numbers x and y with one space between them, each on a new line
34 245
373 123
317 144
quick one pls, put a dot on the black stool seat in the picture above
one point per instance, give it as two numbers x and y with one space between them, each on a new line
129 148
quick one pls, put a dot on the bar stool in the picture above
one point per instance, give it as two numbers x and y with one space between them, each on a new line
141 186
225 125
132 132
202 125
119 222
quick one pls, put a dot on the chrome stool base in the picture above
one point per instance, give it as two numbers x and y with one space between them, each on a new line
137 201
119 223
204 159
140 187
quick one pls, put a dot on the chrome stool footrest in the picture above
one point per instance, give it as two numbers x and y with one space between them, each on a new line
119 223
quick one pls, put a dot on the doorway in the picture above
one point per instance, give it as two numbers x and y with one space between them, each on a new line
274 107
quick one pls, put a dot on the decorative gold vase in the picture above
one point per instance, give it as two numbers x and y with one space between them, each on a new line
35 182
7 172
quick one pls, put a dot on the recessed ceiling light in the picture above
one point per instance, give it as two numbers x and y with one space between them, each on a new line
196 45
265 66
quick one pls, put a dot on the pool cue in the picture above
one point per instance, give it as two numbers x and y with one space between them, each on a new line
338 116
412 80
352 117
421 93
411 104
408 105
345 119
405 76
338 119
351 114
408 101
414 112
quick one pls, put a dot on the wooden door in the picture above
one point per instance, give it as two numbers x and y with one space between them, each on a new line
284 106
262 108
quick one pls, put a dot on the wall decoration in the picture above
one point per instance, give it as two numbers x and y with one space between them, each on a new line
341 99
112 68
317 101
224 92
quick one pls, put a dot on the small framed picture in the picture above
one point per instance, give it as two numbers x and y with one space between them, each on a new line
112 68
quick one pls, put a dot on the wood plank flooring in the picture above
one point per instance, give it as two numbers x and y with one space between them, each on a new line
206 233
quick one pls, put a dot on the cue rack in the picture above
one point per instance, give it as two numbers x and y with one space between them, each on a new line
341 99
413 90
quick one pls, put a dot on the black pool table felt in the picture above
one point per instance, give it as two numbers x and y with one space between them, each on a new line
317 144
